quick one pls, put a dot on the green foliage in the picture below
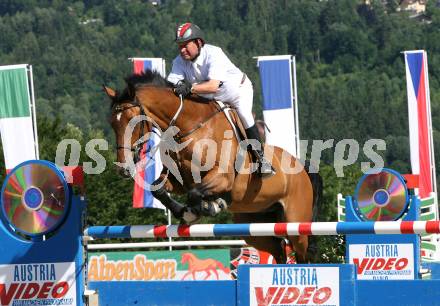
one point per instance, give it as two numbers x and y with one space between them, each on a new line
351 75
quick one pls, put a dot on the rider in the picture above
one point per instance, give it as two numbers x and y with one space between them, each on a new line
205 70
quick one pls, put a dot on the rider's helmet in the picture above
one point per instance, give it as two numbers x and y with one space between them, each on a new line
188 31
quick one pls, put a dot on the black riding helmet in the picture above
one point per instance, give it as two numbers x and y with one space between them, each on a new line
189 31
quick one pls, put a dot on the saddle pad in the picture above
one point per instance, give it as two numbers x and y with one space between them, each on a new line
226 110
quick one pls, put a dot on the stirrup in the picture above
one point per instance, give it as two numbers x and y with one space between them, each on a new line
265 169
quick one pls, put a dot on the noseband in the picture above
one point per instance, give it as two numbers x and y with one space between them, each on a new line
136 149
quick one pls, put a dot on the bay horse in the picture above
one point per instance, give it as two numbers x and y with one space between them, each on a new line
203 131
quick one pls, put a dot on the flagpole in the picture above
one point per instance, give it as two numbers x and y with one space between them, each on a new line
431 141
295 108
170 247
34 112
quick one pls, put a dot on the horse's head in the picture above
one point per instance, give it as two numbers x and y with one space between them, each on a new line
185 258
146 102
130 125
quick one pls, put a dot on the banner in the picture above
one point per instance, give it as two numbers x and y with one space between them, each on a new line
212 264
142 197
280 108
159 265
293 285
420 126
383 261
38 284
17 115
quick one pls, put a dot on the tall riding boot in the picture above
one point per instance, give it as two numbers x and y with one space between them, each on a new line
265 169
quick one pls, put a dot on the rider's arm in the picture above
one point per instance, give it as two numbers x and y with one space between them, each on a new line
216 73
177 72
207 87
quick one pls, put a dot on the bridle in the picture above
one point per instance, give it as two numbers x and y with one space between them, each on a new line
136 149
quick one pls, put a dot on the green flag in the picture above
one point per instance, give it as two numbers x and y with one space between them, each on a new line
16 121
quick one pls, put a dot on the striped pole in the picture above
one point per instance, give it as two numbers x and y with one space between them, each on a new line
264 229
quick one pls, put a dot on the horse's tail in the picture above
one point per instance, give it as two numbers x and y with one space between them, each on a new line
223 268
318 186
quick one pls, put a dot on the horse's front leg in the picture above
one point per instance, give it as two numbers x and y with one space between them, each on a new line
161 189
160 193
215 272
208 197
186 275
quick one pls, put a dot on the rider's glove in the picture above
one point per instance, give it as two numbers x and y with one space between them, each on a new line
183 88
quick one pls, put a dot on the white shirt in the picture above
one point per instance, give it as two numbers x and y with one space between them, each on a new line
211 64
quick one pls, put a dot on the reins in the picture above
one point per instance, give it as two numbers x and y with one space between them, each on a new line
199 125
136 149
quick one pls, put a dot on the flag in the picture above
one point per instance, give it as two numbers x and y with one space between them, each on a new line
141 63
142 197
280 110
17 115
419 116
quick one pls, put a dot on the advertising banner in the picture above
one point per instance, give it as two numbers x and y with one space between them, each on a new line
38 284
292 285
160 265
383 261
214 264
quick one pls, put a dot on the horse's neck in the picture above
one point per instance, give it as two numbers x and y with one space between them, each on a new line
191 256
190 259
193 113
163 105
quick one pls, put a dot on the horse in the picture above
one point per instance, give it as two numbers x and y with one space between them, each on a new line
202 131
202 265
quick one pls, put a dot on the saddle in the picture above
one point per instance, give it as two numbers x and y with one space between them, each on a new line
233 119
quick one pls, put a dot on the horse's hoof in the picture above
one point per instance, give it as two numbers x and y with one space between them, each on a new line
288 252
213 208
189 216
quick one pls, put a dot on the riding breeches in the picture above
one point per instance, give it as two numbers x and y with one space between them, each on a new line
243 103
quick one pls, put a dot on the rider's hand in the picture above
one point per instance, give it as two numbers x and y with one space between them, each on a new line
183 88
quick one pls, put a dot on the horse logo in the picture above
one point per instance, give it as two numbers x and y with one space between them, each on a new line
202 265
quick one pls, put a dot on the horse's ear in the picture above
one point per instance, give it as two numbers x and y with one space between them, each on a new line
111 93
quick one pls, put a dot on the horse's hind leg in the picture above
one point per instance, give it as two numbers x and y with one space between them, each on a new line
300 245
298 208
271 245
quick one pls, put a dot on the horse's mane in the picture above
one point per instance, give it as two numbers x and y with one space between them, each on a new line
147 77
134 81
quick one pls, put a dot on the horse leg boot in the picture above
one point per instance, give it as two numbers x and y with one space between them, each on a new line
265 169
178 210
203 206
